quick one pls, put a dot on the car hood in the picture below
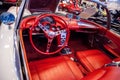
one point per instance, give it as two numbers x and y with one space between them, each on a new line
42 5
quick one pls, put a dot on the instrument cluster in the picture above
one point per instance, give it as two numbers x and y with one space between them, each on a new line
73 16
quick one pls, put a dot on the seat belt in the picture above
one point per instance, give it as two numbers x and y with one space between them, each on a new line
113 63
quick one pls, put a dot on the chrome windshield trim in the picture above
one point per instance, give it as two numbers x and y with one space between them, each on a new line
20 14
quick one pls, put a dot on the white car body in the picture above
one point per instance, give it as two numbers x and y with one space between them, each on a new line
8 69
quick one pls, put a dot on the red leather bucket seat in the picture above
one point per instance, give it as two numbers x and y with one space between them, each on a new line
93 59
58 68
62 68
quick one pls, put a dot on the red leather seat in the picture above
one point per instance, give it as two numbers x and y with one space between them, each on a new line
93 59
106 73
59 68
62 68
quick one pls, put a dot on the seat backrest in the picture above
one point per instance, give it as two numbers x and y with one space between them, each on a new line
106 73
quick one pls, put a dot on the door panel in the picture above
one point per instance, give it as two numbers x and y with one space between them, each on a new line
113 43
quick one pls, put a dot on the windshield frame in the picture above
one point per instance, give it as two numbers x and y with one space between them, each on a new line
20 14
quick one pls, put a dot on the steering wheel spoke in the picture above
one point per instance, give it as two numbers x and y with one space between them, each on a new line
45 30
49 44
60 32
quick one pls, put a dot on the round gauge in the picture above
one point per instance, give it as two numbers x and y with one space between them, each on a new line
53 28
37 29
78 17
70 15
58 28
47 26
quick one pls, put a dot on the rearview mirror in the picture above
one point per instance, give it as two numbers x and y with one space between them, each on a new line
7 18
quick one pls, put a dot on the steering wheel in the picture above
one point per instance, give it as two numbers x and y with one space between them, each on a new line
57 28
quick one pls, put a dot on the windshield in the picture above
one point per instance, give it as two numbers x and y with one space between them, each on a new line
81 9
54 6
42 5
29 7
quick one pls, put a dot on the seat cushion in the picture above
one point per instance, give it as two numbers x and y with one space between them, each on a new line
93 59
106 73
58 68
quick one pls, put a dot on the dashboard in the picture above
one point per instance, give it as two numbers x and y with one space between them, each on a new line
73 22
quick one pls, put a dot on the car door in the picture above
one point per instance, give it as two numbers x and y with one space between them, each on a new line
113 43
107 38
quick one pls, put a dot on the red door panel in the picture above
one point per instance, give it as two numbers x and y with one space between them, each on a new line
113 44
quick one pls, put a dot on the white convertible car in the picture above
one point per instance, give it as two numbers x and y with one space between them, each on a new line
37 42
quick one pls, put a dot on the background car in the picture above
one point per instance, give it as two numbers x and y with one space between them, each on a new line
9 1
71 6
